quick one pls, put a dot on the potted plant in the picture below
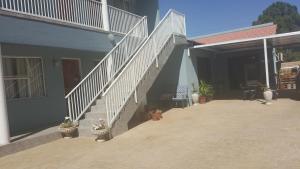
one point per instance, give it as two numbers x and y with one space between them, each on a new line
100 130
268 95
206 92
68 129
195 95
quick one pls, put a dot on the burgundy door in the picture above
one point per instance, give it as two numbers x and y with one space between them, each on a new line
71 73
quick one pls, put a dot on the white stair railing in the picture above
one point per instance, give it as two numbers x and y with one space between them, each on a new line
121 21
87 91
80 12
124 86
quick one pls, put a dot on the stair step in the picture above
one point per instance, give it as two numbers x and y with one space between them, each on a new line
98 108
88 122
96 112
94 115
100 101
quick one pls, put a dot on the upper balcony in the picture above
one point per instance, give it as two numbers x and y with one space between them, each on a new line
86 14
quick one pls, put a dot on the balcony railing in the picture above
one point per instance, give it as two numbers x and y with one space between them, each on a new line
86 13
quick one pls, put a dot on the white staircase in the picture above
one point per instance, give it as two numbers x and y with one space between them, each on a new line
125 75
129 89
88 92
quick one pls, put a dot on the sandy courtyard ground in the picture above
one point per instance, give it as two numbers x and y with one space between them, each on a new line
218 135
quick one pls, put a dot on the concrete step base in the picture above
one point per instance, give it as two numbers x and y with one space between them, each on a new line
97 112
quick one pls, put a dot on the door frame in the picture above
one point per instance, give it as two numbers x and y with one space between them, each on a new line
79 67
79 61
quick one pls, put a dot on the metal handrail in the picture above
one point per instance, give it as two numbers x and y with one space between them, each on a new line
126 83
87 91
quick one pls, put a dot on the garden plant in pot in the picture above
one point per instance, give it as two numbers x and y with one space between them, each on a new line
100 130
195 95
68 129
206 92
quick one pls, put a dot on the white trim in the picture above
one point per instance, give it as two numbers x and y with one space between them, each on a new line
4 124
14 78
21 57
67 20
248 40
105 16
266 63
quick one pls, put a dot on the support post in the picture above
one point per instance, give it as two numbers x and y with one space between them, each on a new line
4 126
275 65
105 16
266 63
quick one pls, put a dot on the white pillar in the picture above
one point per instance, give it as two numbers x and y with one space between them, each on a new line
266 63
105 17
4 127
275 65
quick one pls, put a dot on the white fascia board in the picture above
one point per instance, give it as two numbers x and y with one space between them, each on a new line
248 40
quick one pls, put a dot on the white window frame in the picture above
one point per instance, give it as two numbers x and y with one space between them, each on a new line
19 78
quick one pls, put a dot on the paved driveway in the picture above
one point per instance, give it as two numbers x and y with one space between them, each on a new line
218 135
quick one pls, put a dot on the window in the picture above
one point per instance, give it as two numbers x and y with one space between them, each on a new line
23 77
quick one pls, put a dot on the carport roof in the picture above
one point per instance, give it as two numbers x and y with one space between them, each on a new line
278 40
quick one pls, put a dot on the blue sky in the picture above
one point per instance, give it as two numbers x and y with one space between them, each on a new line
211 16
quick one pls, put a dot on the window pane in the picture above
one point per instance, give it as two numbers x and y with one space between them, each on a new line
16 88
14 67
23 77
35 74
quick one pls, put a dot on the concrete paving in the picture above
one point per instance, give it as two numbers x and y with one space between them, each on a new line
229 134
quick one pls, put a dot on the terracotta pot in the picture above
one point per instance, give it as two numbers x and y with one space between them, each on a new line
101 134
68 132
202 99
195 98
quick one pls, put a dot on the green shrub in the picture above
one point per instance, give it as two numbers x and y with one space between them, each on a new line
67 123
205 89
